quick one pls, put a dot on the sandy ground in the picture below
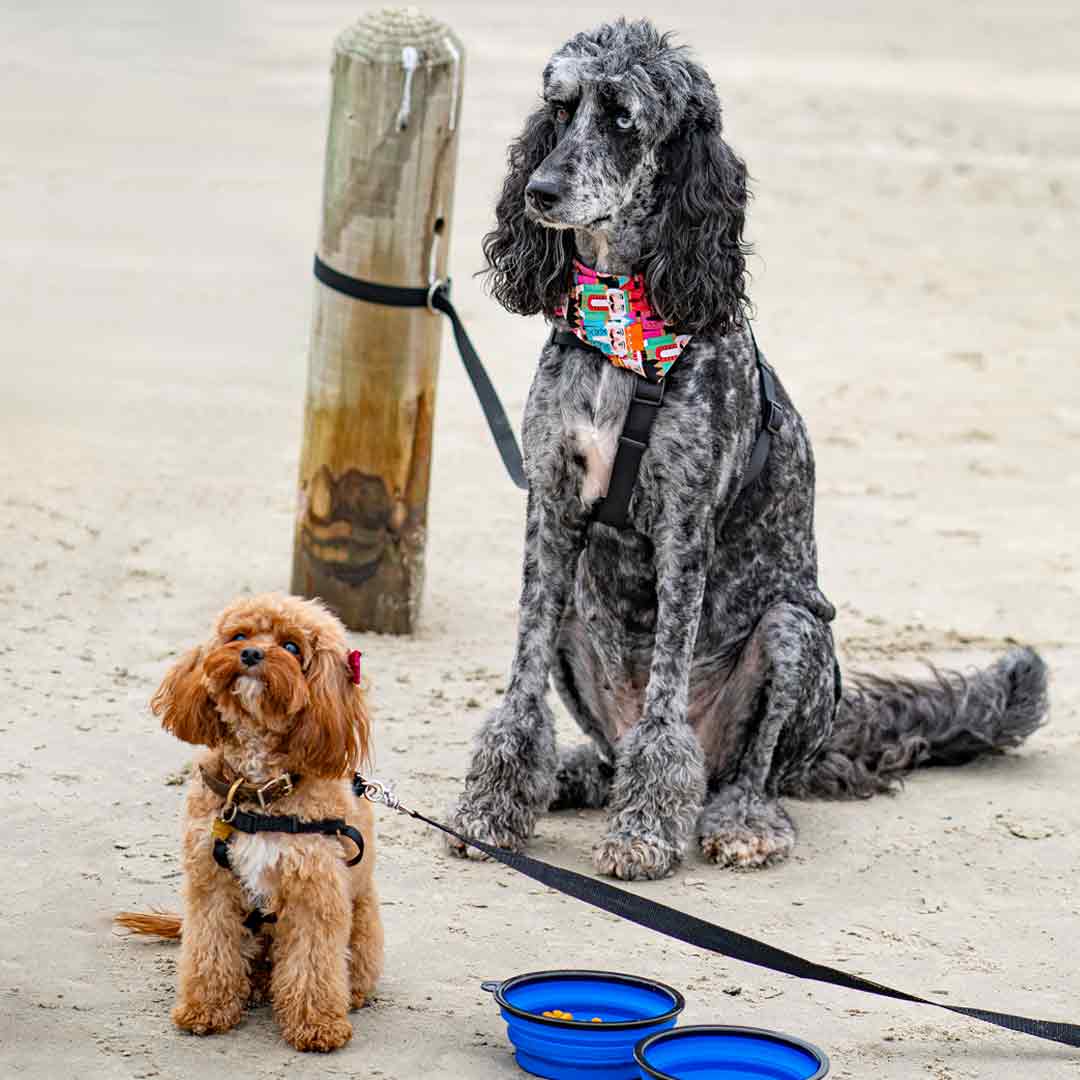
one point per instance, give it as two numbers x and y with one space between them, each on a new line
918 181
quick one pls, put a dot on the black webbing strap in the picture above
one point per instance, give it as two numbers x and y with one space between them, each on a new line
437 298
287 823
614 508
705 935
772 416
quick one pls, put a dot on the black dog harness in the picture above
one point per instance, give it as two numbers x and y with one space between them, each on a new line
614 508
232 819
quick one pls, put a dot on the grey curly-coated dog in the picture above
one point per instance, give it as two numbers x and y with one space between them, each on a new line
693 648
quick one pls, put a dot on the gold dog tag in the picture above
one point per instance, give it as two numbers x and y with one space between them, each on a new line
220 830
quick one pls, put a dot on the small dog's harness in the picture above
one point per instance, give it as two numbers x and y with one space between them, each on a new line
611 314
232 819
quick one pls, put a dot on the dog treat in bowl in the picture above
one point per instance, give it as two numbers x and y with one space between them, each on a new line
717 1052
616 1011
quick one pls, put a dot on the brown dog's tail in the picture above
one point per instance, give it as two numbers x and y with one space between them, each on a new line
887 727
162 924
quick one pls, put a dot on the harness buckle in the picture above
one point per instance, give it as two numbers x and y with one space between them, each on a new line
654 397
774 418
260 792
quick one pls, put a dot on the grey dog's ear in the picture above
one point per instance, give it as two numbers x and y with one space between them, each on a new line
696 272
528 265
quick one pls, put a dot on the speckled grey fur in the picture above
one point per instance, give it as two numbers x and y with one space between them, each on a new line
694 649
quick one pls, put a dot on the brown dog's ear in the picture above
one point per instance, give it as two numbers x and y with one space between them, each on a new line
184 704
330 738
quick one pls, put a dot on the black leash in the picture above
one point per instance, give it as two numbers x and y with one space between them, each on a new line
614 508
705 935
437 298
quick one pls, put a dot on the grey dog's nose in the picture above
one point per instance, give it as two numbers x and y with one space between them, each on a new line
250 657
543 194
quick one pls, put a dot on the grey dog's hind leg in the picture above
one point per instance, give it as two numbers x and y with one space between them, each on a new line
788 661
583 779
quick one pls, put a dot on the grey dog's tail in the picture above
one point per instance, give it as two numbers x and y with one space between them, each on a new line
886 727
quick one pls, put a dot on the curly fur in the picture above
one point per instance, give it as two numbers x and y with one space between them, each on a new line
679 191
694 649
887 727
286 713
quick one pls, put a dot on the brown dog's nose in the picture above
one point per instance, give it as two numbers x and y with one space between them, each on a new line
250 657
543 193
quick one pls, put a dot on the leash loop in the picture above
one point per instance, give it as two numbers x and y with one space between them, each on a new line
438 286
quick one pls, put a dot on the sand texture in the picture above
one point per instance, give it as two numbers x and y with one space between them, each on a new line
917 178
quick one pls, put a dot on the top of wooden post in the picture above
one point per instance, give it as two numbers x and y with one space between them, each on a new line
380 36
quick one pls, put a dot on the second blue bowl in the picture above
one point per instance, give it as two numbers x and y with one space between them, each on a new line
717 1052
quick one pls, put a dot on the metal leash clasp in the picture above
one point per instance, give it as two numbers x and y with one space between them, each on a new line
377 792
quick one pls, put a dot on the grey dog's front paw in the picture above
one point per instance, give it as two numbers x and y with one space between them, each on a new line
654 801
511 778
508 828
635 858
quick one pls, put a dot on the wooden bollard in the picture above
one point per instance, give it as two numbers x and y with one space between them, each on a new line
365 464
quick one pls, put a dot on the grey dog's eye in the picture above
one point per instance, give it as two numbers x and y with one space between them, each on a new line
624 121
291 647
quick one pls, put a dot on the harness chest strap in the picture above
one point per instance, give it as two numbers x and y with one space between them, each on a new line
242 821
614 508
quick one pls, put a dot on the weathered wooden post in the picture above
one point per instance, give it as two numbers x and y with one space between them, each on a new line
391 156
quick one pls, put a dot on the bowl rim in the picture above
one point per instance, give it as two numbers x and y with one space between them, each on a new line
679 1002
727 1029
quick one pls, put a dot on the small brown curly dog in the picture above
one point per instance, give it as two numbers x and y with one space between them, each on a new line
272 695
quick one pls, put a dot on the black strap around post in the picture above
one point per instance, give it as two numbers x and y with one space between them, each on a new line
437 298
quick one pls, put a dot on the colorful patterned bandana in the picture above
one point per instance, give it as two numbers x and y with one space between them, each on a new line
611 313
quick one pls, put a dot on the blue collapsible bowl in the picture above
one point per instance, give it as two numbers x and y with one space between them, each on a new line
629 1008
716 1052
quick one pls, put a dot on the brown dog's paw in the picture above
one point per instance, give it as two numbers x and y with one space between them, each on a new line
320 1036
206 1018
634 858
745 848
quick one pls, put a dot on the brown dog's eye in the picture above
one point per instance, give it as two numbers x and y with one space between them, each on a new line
291 647
238 637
